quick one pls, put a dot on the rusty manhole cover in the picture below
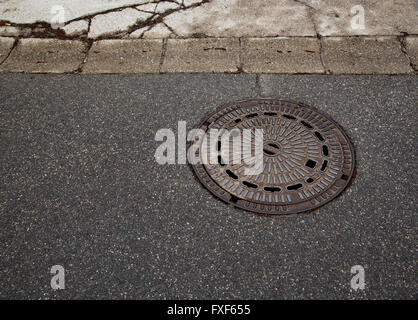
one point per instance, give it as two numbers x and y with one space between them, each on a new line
307 159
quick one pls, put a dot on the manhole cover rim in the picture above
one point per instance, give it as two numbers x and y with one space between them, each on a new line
273 209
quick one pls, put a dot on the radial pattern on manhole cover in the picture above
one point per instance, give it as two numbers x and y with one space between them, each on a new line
307 159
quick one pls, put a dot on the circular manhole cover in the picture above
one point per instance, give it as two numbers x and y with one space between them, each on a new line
305 158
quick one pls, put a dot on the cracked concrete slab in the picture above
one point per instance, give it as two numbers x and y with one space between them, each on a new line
137 33
202 55
124 56
352 55
243 18
148 7
233 18
278 55
166 6
188 3
76 28
116 22
6 44
411 44
30 11
9 31
45 55
158 31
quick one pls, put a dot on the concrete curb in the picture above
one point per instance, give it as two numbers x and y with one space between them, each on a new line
287 55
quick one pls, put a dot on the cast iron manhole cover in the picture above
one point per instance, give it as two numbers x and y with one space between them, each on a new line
307 159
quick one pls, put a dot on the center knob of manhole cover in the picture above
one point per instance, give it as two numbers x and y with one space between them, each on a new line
273 157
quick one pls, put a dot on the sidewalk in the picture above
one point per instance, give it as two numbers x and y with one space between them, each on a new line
249 36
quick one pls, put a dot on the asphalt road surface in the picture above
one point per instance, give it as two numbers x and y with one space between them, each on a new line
81 188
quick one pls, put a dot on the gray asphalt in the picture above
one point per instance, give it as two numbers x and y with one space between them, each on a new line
81 188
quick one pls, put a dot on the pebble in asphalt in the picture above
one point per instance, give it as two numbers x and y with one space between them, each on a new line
81 188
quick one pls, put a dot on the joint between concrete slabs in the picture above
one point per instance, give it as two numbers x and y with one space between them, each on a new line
163 51
321 56
6 48
240 67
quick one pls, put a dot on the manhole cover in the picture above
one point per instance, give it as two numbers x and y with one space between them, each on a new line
307 159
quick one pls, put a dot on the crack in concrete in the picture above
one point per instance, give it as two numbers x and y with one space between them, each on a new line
258 87
318 35
85 17
88 45
152 21
46 31
305 4
240 68
10 52
169 28
404 50
39 30
321 56
163 52
214 48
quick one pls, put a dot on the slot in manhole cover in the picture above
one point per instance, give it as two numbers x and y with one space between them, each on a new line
307 159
